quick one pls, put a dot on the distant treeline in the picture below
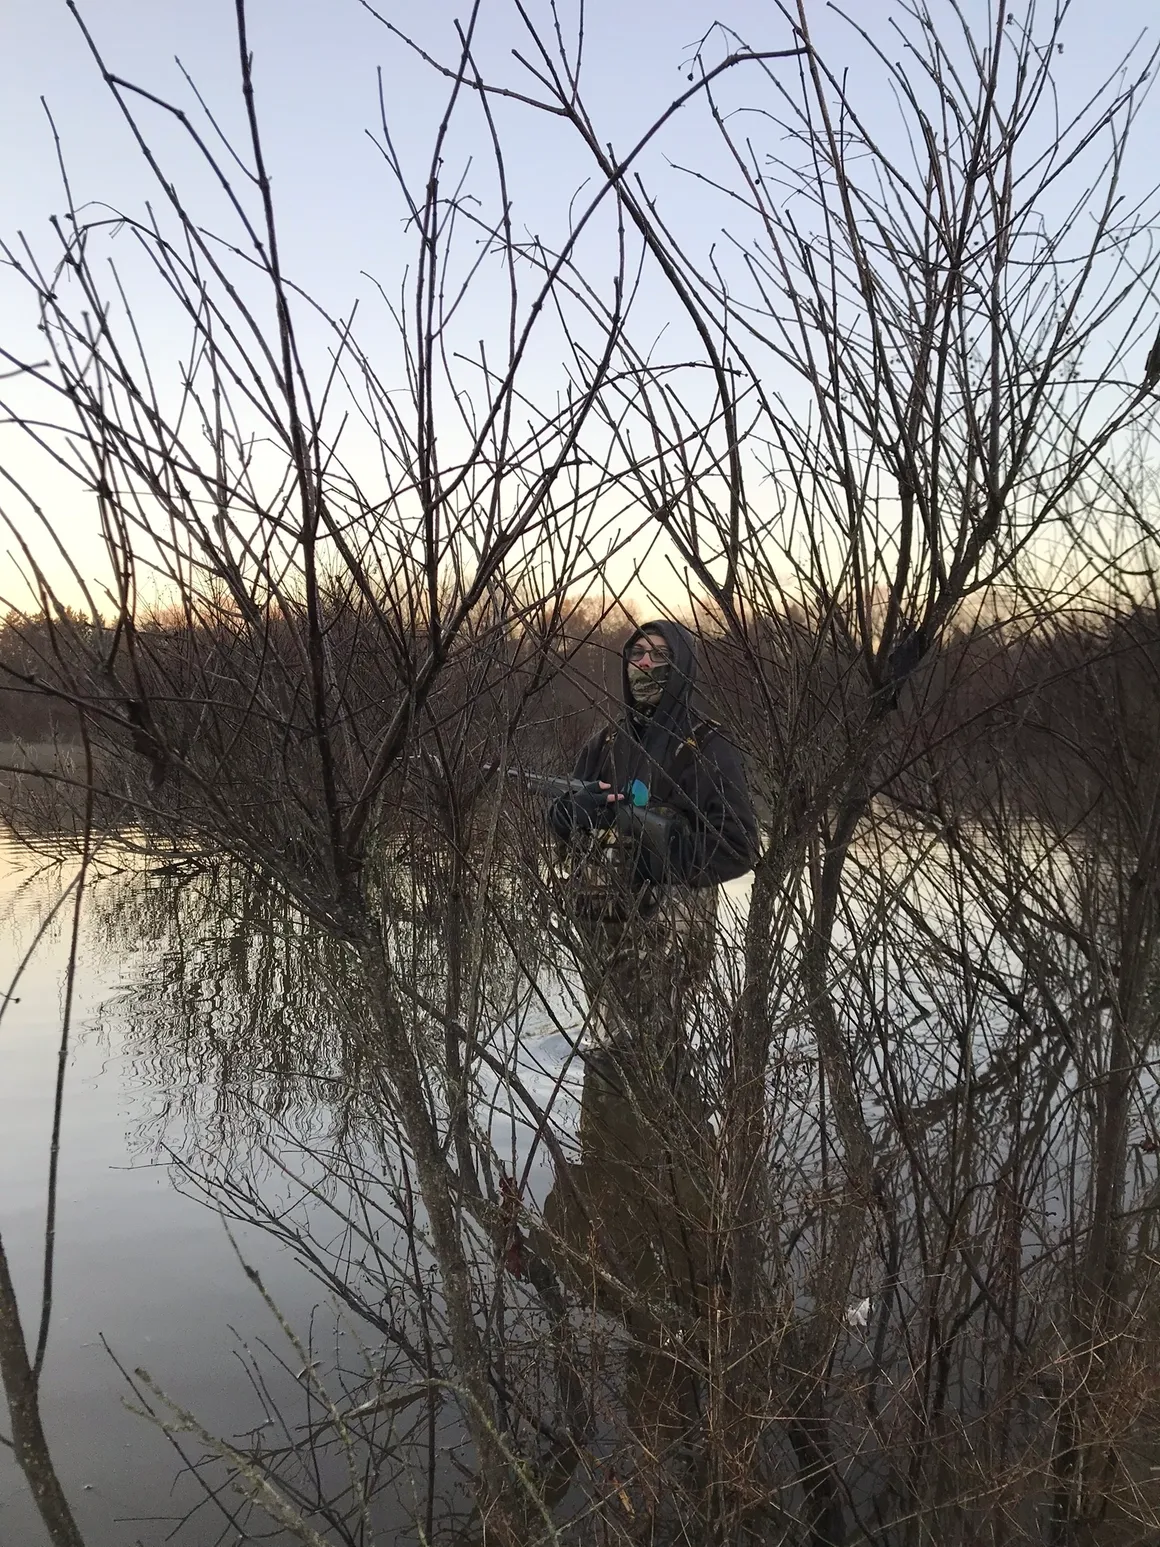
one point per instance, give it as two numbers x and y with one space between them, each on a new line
1050 709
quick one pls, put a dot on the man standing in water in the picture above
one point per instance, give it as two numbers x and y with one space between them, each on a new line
642 901
643 895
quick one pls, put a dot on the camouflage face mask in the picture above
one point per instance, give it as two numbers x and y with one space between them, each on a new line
647 684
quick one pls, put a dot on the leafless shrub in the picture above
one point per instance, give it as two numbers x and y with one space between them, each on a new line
887 1265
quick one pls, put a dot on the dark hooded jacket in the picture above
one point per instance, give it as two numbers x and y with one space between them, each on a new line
691 769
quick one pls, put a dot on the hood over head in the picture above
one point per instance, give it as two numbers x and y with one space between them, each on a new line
658 731
681 674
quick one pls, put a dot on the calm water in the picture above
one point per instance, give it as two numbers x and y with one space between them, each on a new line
166 1050
203 1047
137 1263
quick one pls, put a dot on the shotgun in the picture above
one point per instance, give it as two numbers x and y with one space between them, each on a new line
653 828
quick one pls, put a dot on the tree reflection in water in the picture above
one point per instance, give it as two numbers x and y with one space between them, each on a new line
592 1252
647 1365
266 1102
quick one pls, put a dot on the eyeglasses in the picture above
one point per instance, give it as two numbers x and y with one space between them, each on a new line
656 654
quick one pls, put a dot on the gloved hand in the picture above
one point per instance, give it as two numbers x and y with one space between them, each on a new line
588 810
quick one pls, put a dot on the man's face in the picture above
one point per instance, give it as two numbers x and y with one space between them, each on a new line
649 663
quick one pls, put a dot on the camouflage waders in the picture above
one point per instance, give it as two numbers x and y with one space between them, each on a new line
638 1203
641 975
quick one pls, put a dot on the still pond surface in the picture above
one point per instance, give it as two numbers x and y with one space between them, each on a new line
144 1270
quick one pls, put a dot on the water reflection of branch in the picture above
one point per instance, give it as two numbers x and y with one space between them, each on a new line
29 1442
62 1064
19 1374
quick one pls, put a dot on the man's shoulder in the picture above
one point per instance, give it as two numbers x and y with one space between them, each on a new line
714 746
712 738
702 731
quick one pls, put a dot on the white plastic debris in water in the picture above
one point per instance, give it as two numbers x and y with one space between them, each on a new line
858 1314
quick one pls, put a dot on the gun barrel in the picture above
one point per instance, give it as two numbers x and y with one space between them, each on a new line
543 784
547 784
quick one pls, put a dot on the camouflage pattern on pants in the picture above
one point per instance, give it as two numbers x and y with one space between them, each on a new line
638 1204
642 975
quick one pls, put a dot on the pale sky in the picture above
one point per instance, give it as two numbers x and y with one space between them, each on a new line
316 63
